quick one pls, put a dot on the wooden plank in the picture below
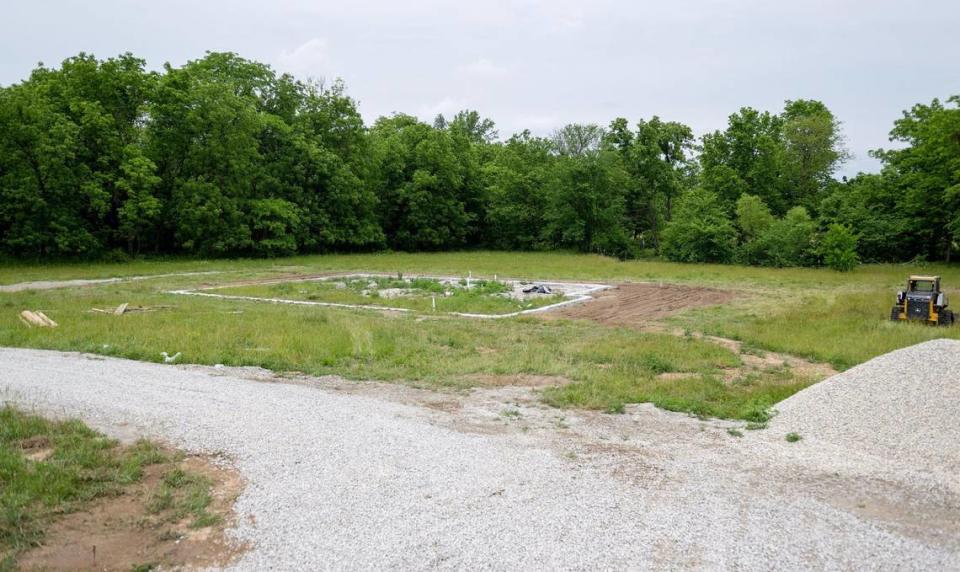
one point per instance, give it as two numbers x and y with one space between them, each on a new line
37 319
121 309
46 321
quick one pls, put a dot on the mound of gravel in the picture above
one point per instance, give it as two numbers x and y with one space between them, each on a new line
903 406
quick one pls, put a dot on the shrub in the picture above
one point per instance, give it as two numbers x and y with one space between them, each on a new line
700 230
839 248
753 216
786 242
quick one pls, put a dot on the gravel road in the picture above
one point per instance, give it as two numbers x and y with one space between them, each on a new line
356 476
57 284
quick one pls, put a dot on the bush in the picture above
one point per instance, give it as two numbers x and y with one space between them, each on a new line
839 248
753 216
786 242
700 230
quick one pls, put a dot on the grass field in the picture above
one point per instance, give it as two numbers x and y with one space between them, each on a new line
819 314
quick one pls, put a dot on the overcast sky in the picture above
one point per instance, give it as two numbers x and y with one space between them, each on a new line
539 64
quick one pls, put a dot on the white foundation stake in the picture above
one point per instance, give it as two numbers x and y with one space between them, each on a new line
433 300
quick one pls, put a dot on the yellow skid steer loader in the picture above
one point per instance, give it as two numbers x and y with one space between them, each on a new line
923 301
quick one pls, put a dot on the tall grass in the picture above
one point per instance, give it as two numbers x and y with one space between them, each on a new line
841 328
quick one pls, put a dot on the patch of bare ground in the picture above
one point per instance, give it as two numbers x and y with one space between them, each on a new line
123 532
636 304
517 380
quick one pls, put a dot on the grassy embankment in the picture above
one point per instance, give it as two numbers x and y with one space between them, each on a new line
820 314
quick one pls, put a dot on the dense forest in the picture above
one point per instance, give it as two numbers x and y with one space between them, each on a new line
223 156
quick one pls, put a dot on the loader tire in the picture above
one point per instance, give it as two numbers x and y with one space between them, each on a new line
945 318
895 314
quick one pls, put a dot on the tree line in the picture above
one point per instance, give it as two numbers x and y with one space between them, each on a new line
223 156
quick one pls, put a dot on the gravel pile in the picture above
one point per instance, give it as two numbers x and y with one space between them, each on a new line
903 406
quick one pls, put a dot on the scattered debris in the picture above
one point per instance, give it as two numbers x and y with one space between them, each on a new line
36 318
126 308
167 358
538 289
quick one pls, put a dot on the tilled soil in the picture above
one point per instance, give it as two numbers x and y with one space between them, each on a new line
364 475
635 304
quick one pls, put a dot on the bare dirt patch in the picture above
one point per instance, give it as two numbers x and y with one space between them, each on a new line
516 380
122 533
640 304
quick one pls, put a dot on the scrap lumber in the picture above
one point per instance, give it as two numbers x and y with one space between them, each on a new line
126 308
37 318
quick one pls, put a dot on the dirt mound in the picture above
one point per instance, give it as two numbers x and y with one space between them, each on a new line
637 304
902 406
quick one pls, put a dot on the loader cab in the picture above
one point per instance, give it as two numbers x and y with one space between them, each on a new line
923 285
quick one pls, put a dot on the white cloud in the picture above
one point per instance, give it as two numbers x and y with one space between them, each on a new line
537 124
484 68
448 106
568 19
308 60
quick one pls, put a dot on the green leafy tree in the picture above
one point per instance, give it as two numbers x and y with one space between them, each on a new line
789 241
521 178
469 124
813 150
747 157
205 140
926 173
838 246
64 137
577 139
140 208
871 204
420 185
656 157
753 217
587 210
700 230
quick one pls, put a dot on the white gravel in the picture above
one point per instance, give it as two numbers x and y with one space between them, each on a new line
362 478
903 406
56 284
